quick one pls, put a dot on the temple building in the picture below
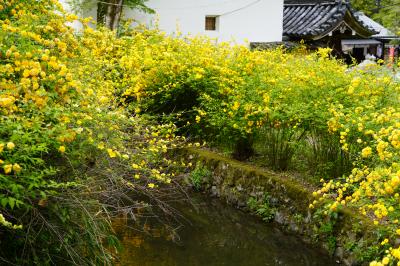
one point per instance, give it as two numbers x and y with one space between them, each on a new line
265 24
334 24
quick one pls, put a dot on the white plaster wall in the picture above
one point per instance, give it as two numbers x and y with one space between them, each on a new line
239 20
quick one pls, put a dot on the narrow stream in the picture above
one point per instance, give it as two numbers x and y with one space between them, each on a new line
217 234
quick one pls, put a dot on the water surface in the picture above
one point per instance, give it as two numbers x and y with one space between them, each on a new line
216 234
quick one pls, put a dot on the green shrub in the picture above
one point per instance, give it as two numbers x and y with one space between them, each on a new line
198 176
262 207
70 156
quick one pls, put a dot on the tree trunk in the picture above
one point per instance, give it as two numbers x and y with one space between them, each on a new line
113 14
101 13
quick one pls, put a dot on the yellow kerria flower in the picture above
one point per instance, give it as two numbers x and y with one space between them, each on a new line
235 106
366 152
17 168
61 149
111 153
151 185
374 263
6 101
100 146
10 145
385 261
7 168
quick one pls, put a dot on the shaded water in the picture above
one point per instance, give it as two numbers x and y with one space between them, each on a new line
217 234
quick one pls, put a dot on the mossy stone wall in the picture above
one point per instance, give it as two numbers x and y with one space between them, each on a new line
346 236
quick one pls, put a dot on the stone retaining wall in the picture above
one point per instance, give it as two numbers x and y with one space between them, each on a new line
346 236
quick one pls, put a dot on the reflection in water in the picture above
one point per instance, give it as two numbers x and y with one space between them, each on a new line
215 234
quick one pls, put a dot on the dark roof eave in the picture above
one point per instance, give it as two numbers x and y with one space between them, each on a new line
329 23
309 2
303 37
353 23
362 30
386 37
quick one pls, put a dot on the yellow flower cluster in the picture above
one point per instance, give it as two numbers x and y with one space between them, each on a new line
68 93
369 130
6 223
237 92
58 100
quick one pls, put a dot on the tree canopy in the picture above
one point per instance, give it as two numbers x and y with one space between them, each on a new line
109 12
386 12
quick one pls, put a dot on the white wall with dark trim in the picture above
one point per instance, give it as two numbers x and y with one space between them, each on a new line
238 21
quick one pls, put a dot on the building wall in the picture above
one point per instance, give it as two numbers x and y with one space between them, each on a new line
237 20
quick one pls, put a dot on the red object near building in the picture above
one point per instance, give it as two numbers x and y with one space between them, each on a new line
391 54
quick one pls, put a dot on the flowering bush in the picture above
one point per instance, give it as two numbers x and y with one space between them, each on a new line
75 132
68 152
345 118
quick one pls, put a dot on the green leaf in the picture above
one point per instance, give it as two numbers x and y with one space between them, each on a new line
4 202
43 195
11 202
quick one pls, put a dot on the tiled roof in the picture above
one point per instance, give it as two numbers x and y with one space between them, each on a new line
311 18
297 2
382 31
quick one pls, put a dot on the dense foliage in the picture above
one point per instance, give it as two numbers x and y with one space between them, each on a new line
76 137
69 154
340 121
385 12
